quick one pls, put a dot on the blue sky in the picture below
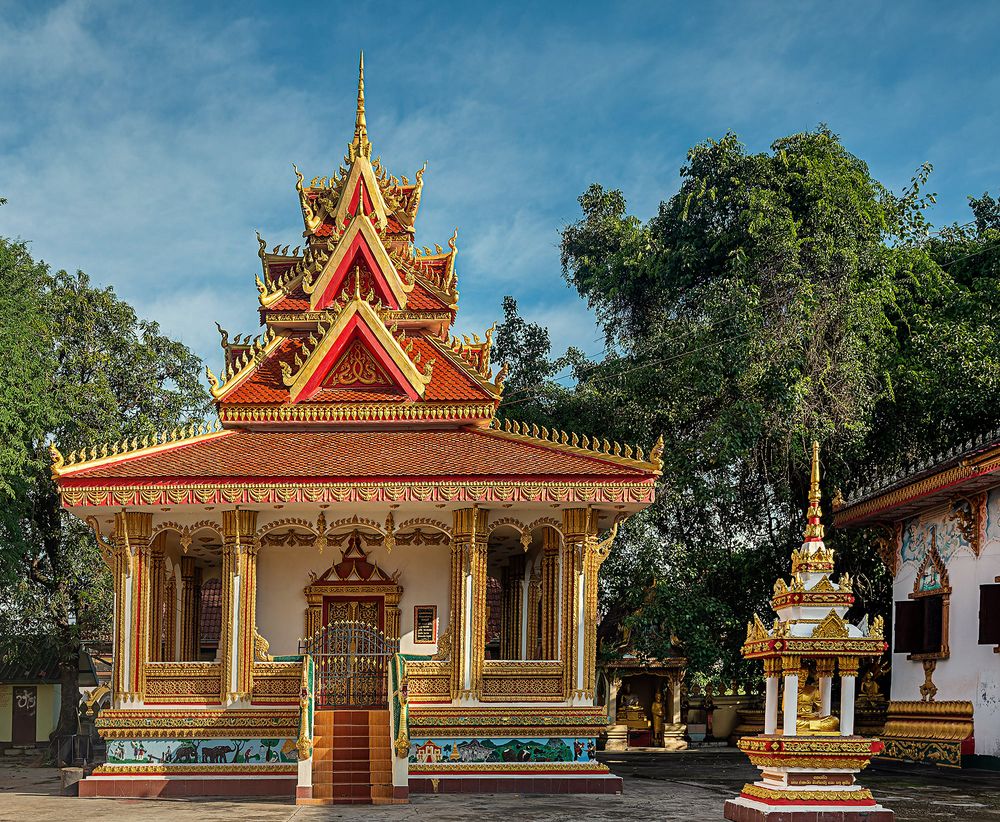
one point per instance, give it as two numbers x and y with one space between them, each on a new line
144 142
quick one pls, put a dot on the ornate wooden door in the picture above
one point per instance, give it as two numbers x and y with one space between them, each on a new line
25 714
368 610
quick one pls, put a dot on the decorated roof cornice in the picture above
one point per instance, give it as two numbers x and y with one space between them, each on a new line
244 365
631 456
104 453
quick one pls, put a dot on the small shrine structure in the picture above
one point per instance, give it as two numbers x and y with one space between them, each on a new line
808 764
347 534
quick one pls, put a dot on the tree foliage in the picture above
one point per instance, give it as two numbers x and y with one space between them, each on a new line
776 298
81 369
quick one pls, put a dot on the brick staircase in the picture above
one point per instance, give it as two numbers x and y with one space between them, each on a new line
352 761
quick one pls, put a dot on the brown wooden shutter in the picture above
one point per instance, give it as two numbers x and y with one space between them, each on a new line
909 627
989 614
933 639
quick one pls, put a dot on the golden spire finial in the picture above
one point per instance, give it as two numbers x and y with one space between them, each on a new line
360 144
814 528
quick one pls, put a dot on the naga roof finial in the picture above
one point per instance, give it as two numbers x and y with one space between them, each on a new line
814 528
360 144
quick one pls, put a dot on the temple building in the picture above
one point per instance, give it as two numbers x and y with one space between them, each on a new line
360 582
937 528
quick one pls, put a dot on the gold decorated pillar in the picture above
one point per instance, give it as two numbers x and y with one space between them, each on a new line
131 560
190 610
532 646
510 626
157 583
170 620
550 593
580 563
239 603
468 601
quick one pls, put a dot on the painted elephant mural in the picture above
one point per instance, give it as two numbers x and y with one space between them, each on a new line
216 753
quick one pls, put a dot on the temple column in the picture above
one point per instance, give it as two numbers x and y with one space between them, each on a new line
676 680
580 563
239 603
513 584
824 673
468 614
157 589
169 620
550 593
772 670
524 617
534 597
614 683
848 676
190 610
131 629
790 668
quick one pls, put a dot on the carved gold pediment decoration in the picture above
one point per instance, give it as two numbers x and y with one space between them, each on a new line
832 627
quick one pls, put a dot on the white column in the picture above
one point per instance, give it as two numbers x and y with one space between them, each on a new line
675 699
771 705
825 694
791 704
467 633
613 684
847 705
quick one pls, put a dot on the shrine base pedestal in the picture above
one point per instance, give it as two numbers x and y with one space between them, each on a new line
746 810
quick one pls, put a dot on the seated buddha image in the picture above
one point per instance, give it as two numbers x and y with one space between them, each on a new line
810 717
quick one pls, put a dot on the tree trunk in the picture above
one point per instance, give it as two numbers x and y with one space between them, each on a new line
69 702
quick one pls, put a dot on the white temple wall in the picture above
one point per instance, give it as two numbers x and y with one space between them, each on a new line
283 573
972 671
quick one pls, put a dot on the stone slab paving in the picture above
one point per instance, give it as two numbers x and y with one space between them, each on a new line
690 785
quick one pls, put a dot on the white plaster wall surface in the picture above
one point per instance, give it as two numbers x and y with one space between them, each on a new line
972 671
283 573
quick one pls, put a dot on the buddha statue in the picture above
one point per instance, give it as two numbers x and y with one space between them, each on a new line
811 721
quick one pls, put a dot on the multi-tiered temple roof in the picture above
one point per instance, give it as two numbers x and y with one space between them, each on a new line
357 381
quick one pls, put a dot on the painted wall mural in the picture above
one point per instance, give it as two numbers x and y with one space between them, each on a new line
917 538
465 751
200 751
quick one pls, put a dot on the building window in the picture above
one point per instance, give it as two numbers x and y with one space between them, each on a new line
920 626
921 622
989 614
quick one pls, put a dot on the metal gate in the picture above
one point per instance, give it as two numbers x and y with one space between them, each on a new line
351 661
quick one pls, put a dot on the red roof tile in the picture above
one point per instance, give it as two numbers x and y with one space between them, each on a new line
448 381
419 299
362 456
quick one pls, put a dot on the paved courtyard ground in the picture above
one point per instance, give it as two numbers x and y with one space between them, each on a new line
683 786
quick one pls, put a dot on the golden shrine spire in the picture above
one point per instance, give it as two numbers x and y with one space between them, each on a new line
360 145
814 528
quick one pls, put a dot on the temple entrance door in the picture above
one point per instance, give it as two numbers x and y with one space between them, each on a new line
351 659
369 610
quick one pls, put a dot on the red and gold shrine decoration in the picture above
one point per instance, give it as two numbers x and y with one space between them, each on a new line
808 759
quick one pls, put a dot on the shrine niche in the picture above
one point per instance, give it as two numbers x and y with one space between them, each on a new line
354 589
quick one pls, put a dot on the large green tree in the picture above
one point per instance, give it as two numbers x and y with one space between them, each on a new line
777 297
80 368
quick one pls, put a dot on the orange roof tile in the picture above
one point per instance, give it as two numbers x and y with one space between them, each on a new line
362 456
